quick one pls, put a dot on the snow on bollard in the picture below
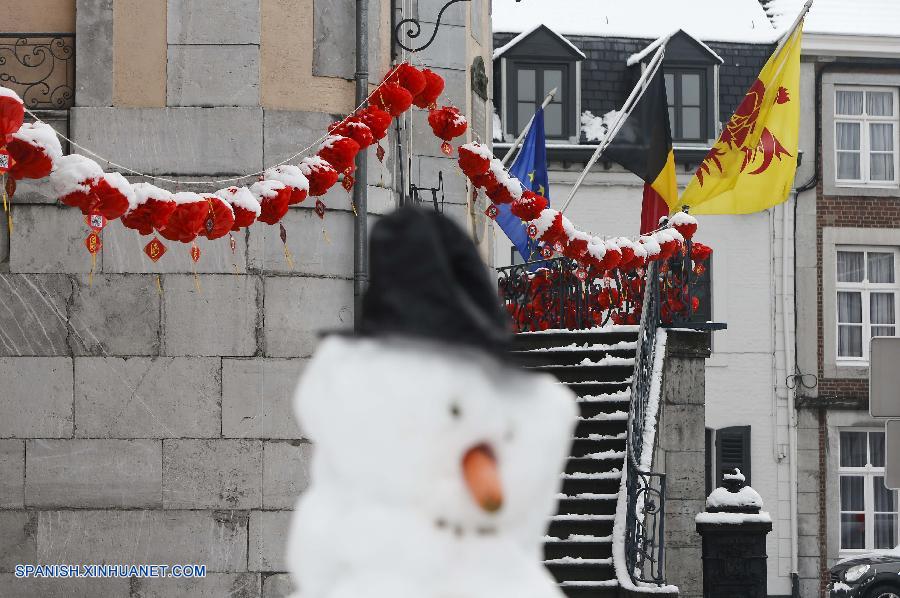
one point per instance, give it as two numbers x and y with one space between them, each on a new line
734 529
436 462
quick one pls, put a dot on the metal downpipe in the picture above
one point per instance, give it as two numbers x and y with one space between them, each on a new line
360 188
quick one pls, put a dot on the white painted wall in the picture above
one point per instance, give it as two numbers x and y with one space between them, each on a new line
747 363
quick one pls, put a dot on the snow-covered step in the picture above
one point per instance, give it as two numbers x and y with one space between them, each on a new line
585 346
563 526
595 387
590 465
586 427
592 374
623 396
580 570
563 338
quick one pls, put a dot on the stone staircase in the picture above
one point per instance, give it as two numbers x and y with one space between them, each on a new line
598 367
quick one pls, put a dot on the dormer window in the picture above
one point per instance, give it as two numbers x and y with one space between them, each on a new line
690 68
531 65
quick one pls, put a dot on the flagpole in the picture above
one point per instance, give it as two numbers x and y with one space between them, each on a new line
627 107
793 26
527 128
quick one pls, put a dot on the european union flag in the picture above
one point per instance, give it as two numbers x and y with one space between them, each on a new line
530 167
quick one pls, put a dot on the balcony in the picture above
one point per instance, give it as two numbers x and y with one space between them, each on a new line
40 67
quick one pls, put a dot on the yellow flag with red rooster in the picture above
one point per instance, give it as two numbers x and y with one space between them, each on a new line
752 165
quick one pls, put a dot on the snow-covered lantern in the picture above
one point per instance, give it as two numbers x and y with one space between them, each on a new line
447 124
219 218
320 173
434 86
153 208
12 113
245 205
187 219
292 177
734 529
273 198
34 149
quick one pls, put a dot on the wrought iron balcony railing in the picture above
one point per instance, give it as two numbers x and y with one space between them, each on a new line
40 67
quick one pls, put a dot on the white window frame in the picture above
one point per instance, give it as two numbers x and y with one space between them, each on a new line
865 288
868 473
864 120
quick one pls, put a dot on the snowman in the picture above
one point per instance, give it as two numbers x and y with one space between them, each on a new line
436 462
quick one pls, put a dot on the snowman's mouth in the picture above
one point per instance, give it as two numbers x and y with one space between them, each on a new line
482 477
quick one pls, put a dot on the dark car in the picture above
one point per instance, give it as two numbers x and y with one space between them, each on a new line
875 575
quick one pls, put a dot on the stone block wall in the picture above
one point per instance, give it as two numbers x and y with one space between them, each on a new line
681 455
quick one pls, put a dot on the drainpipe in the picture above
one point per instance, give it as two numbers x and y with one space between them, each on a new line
360 189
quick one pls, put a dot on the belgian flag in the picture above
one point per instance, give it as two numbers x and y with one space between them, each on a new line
643 145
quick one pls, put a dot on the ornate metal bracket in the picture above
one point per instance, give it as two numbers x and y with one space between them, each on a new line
40 67
413 29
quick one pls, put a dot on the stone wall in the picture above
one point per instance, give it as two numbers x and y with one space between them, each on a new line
145 411
680 454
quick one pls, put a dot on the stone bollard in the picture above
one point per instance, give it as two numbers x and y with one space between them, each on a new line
734 541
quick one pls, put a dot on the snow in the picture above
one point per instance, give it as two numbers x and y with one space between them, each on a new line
605 455
621 345
745 497
733 518
479 150
41 135
311 163
614 474
145 191
588 495
737 475
710 20
216 197
608 360
860 17
266 189
288 174
614 416
183 197
650 245
496 127
240 197
572 560
606 583
895 552
579 538
679 218
639 56
6 92
503 49
388 513
596 128
594 330
73 173
611 397
840 586
582 517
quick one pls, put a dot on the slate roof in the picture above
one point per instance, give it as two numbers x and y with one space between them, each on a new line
606 80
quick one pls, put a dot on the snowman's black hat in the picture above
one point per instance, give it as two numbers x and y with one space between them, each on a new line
426 280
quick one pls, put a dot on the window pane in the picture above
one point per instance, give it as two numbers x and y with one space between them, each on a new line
553 78
853 531
848 166
881 137
879 103
850 266
876 448
670 91
853 450
849 307
881 308
848 102
883 331
524 112
690 89
885 531
881 267
553 120
853 493
526 85
881 167
690 123
850 341
847 136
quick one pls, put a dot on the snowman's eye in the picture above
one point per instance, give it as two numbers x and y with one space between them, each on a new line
455 410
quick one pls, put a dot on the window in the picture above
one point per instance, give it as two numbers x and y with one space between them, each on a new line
865 136
687 97
866 299
533 83
868 509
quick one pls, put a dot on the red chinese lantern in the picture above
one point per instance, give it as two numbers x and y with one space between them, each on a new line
447 124
651 247
684 223
700 252
529 206
627 249
34 149
153 207
246 207
320 174
392 98
339 152
376 119
355 129
576 246
72 181
112 196
12 113
434 85
613 256
507 190
292 177
596 251
219 218
474 159
668 244
408 77
550 227
273 198
187 219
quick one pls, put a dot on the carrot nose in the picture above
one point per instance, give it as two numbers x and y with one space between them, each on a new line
479 467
